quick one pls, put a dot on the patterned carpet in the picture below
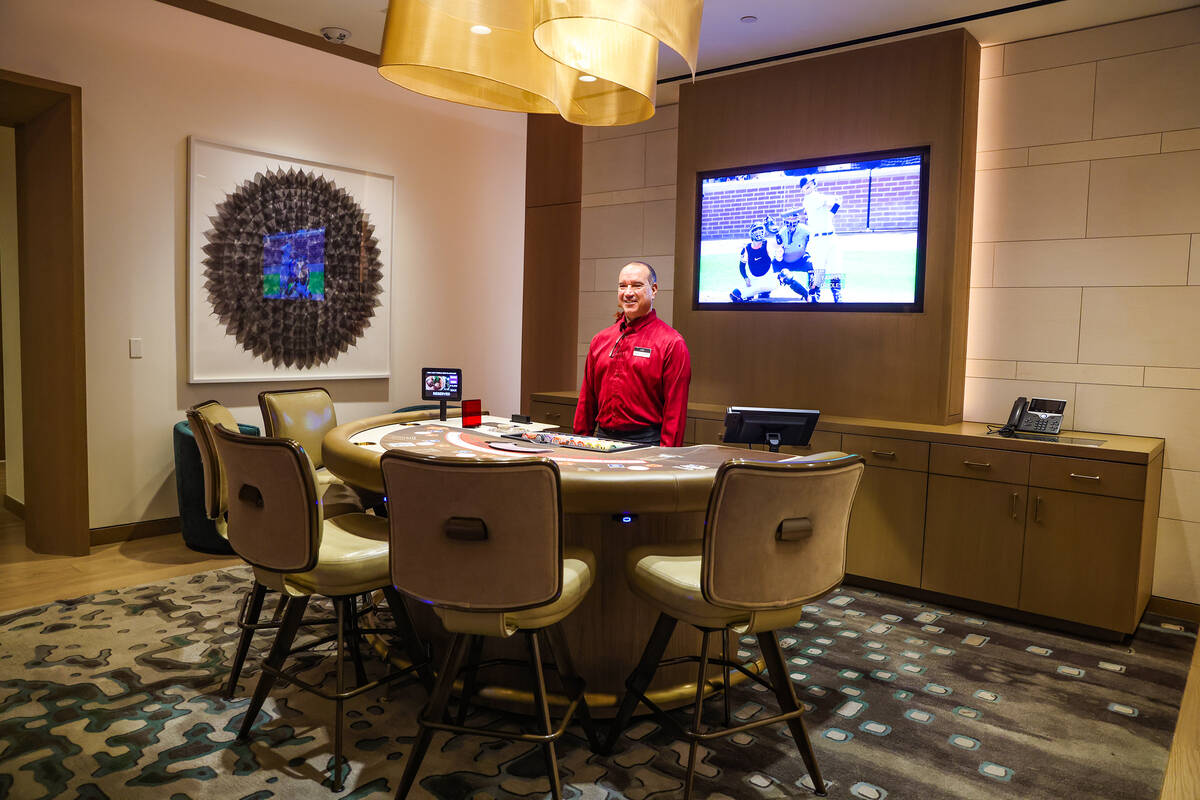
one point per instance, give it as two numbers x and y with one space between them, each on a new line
115 695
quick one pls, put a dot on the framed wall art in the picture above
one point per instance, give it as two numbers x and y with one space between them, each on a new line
289 267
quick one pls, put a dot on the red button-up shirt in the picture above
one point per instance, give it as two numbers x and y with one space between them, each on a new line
637 374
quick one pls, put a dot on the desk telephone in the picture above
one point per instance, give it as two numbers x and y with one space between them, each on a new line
1038 415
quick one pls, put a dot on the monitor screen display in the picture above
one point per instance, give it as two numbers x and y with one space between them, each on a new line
845 233
441 384
293 265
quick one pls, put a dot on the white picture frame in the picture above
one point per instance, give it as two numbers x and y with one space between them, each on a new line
215 355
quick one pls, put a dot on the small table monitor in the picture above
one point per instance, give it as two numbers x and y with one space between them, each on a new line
441 384
770 426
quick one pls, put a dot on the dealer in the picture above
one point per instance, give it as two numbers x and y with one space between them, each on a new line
636 378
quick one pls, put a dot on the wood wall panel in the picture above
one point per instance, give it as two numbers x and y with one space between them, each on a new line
887 366
49 149
550 311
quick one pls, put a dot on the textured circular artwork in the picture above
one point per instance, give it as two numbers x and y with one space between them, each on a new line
292 268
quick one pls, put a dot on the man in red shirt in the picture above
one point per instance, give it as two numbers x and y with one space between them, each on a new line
635 381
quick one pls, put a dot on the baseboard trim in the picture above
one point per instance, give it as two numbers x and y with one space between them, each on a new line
1179 609
135 530
15 506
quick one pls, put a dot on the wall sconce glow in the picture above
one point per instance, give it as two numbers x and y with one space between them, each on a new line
592 62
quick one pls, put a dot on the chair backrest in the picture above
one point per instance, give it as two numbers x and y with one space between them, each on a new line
305 415
475 535
274 509
202 418
775 534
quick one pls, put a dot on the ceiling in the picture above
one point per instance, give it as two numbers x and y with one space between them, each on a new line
782 26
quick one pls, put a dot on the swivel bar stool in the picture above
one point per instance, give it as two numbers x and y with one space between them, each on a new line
481 541
774 539
201 419
275 524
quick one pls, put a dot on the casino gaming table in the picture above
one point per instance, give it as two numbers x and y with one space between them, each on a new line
612 501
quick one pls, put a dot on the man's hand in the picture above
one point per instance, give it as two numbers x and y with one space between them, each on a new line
784 276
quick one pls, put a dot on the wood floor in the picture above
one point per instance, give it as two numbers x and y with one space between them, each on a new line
28 579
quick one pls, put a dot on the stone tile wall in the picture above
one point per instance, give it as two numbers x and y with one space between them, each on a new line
1086 263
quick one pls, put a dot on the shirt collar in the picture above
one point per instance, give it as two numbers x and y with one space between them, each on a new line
637 324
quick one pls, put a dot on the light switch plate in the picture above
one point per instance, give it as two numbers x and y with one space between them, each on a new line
135 348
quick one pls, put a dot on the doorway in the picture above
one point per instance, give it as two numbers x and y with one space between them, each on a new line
49 179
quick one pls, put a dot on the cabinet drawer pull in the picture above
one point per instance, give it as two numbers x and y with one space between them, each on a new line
1085 477
884 453
977 464
1037 509
1015 497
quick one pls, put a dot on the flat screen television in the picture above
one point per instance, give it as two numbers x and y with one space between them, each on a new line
843 233
770 426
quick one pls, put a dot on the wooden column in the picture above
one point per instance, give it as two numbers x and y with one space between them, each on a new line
550 312
49 150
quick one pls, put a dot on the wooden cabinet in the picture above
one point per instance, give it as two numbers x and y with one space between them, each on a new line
974 534
1079 549
887 526
560 414
887 522
1064 529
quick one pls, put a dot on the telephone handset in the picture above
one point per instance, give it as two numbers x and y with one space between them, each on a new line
1038 415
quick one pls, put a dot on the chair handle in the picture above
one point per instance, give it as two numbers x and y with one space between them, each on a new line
250 494
466 529
794 529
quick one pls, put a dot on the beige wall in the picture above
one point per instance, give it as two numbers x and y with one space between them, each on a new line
152 75
628 213
10 317
1086 265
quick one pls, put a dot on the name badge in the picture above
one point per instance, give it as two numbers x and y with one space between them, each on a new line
641 352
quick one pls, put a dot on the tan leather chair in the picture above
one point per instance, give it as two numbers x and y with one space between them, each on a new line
275 524
305 415
774 539
202 417
482 543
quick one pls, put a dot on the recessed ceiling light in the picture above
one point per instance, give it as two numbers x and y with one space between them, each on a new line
587 78
749 19
482 30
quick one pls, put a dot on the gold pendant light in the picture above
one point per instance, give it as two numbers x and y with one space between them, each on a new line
595 62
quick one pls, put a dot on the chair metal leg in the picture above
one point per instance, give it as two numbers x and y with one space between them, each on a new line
279 652
435 710
355 636
281 606
412 642
475 653
697 710
341 604
247 620
768 642
543 712
639 680
725 673
573 684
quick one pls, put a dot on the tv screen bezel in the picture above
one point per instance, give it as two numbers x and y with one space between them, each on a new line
799 421
426 372
915 307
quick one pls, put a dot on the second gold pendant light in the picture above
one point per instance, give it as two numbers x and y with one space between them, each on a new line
594 62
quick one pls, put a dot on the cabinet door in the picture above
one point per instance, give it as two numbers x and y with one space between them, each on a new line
973 539
559 414
886 526
1081 557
